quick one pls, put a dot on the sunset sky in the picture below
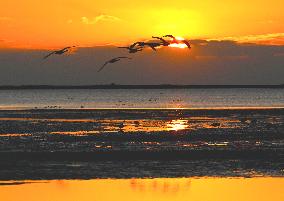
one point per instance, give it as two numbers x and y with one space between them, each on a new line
233 42
55 23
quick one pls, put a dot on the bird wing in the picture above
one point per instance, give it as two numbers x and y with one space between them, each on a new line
123 58
153 48
112 61
133 45
65 49
141 44
49 55
158 38
161 39
171 36
103 66
187 43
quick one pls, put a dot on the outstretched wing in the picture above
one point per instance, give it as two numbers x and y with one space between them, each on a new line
103 66
133 45
49 55
123 58
187 43
65 49
153 48
171 36
164 42
113 61
161 39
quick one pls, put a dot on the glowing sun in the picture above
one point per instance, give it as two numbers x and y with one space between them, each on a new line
179 43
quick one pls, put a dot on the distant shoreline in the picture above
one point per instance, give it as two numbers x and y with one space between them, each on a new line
117 86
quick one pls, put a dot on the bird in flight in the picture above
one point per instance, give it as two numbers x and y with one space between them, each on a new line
112 61
171 36
187 43
151 45
132 50
175 40
164 42
59 52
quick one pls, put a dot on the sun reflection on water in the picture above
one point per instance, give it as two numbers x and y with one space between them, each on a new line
175 189
176 125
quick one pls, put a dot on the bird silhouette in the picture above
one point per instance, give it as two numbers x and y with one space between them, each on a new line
112 61
171 36
164 42
187 43
59 52
178 41
132 50
151 45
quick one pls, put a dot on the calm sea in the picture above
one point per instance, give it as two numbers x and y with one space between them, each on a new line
141 98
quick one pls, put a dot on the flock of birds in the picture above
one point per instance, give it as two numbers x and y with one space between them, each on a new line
133 48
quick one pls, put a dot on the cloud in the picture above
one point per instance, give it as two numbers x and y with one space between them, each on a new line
95 20
208 62
265 39
5 19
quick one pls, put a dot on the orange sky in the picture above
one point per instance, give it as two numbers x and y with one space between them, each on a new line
53 23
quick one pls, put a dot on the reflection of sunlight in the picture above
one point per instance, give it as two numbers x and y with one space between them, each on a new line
178 124
141 125
77 133
176 189
161 186
15 135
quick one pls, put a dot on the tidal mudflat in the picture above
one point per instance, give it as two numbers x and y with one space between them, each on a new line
140 143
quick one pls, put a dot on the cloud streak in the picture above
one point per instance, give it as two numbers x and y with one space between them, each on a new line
265 39
5 19
99 18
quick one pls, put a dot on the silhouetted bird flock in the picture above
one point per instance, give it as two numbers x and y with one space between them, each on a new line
133 48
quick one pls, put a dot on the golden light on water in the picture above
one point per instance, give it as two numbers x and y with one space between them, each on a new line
176 125
176 189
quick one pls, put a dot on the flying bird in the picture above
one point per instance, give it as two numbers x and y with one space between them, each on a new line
178 41
151 45
112 61
187 43
132 50
164 42
134 44
171 36
59 52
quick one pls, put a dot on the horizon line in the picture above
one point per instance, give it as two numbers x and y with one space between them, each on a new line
140 86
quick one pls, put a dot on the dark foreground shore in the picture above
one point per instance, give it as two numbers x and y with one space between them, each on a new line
85 144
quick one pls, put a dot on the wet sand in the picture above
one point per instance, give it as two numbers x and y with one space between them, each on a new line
87 143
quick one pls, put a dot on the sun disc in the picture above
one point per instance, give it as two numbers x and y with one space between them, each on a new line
178 45
179 38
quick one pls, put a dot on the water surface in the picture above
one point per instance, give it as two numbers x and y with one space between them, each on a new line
142 98
175 189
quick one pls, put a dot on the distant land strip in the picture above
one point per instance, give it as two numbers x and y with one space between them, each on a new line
118 86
